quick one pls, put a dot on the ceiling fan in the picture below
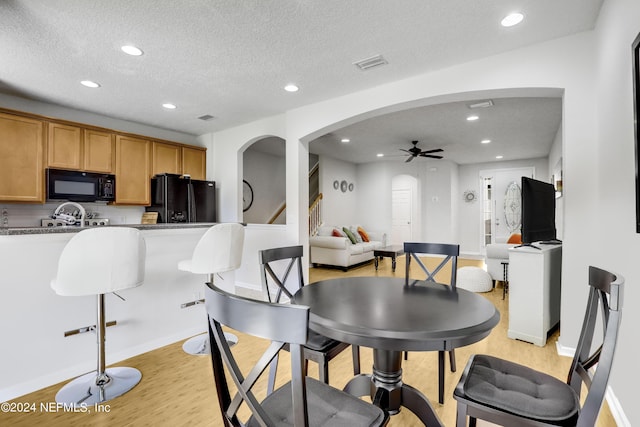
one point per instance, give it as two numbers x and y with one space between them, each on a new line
416 152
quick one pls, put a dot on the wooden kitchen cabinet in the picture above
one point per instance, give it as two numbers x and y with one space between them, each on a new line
167 158
21 159
64 146
133 171
194 162
99 151
75 148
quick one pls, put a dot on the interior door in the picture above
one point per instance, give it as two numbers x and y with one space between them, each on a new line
401 223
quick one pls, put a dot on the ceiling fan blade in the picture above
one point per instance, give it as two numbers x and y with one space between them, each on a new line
409 159
406 151
435 150
431 156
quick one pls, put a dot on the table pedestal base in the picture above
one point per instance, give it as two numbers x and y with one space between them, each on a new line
386 389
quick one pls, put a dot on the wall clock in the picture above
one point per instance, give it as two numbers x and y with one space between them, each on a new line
469 196
247 196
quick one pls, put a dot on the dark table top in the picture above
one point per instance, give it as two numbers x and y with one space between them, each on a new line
383 313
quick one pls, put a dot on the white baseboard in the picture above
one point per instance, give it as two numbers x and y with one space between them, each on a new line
614 404
250 286
616 409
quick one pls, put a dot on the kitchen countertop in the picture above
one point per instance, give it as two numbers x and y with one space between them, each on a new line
16 231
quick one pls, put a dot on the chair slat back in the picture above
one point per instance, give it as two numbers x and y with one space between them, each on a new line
605 297
264 320
450 251
274 277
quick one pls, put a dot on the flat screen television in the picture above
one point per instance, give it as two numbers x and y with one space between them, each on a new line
538 211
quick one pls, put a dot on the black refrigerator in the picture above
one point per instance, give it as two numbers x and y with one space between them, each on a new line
178 198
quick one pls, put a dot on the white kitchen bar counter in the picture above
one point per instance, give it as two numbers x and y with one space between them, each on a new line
33 319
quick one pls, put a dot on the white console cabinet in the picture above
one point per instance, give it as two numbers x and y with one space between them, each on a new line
534 292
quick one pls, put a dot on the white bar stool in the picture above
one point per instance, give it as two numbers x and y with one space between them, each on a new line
219 250
97 261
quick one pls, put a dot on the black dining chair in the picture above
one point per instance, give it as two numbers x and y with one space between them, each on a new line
506 393
302 401
276 266
450 253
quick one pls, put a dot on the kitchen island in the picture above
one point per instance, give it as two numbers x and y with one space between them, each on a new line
33 319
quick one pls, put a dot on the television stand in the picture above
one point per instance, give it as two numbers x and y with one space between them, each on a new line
534 293
550 242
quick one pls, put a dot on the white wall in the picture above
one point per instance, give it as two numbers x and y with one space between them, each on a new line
436 219
339 208
613 242
554 167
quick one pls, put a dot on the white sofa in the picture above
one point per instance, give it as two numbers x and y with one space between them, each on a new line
326 249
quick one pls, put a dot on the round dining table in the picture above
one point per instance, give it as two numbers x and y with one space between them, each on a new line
392 315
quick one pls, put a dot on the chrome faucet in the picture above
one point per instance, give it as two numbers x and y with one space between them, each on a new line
58 213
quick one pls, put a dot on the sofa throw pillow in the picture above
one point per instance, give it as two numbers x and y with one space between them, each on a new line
349 235
354 231
363 234
515 238
336 233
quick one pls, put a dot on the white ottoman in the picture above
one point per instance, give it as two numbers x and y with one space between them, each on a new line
474 279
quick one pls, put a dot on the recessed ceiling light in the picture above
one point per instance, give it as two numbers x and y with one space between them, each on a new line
131 50
512 19
169 106
499 157
472 118
291 88
345 140
89 83
379 155
485 141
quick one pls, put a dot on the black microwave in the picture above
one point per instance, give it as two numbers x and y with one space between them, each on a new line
80 186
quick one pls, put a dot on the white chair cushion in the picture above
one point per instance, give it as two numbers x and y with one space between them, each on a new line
219 249
101 260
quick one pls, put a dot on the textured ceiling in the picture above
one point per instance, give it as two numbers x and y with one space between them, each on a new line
231 58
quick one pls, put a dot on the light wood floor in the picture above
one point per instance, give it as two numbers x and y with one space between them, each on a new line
177 389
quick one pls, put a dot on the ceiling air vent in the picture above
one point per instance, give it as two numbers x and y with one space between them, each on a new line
206 117
481 104
374 61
